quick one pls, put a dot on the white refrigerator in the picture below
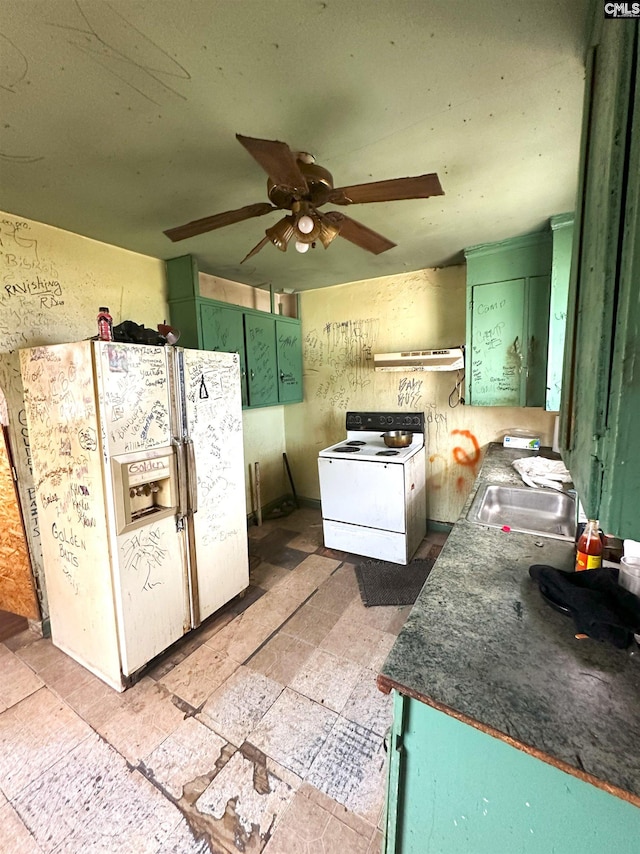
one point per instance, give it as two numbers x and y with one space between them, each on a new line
137 459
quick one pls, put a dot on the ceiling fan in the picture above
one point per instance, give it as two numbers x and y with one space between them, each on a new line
298 184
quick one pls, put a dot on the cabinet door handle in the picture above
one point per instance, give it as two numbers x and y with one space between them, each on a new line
518 353
281 376
251 374
532 353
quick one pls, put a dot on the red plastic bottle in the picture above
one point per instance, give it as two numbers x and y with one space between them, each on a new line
105 324
589 548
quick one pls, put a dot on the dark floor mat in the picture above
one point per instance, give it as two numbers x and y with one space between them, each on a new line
384 583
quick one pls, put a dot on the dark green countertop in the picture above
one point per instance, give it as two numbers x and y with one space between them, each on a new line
481 644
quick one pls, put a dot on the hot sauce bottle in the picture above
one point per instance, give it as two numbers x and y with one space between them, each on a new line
589 547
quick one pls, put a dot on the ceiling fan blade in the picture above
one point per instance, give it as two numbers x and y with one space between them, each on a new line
393 190
359 234
277 160
209 223
256 249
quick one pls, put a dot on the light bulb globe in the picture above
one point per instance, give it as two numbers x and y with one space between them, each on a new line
305 224
302 247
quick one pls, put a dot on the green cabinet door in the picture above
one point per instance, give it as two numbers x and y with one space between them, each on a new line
508 286
223 329
509 338
621 483
497 344
262 366
562 235
289 356
456 789
595 396
537 325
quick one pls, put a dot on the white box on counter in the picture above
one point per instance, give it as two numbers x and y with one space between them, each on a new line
521 442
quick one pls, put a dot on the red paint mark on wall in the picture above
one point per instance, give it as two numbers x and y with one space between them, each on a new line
462 457
466 457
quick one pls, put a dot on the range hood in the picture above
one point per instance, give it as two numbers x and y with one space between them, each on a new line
420 360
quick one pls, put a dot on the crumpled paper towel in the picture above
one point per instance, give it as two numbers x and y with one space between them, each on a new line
538 471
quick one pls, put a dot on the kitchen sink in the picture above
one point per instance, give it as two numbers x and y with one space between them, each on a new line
545 512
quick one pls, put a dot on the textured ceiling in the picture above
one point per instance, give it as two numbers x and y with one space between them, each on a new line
118 120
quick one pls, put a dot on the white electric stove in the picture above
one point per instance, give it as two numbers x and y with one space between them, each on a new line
373 497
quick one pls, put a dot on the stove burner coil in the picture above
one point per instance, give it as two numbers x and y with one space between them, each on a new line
387 453
346 449
356 442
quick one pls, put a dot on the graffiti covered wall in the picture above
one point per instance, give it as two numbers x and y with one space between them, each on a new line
52 283
342 327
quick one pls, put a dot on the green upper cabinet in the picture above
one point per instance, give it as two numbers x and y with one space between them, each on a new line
508 292
289 358
269 345
223 329
601 382
496 350
262 364
562 235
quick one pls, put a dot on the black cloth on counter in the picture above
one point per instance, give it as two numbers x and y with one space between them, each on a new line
599 607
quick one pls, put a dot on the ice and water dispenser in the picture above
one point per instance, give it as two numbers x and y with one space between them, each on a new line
145 488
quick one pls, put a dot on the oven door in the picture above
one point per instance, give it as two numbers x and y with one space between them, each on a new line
363 492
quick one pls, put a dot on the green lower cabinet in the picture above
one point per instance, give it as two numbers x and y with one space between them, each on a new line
453 789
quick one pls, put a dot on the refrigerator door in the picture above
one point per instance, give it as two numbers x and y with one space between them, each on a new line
134 392
151 591
149 565
212 412
64 437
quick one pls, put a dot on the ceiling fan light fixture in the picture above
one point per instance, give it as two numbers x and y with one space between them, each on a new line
328 231
281 233
305 224
307 236
302 247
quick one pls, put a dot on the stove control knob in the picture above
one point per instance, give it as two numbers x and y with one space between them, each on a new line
389 420
407 420
416 420
382 419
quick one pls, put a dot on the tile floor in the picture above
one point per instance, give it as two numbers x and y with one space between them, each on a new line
261 731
